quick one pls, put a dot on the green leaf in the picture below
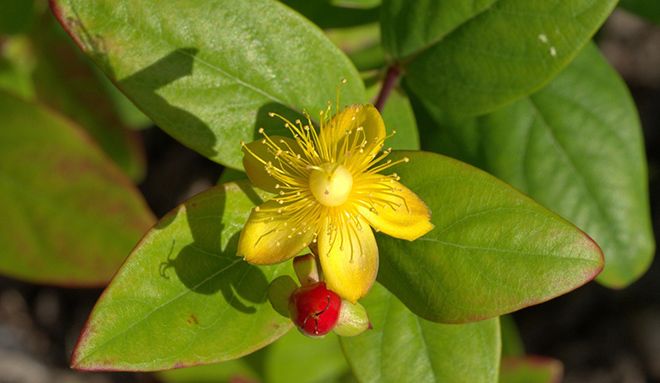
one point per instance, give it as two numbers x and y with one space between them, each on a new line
300 359
410 27
65 80
238 370
292 358
493 250
369 58
229 174
531 369
44 66
361 44
357 3
15 16
512 344
129 114
505 52
327 14
576 147
402 347
209 72
649 9
70 216
398 116
183 297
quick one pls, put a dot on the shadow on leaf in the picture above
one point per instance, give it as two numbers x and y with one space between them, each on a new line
205 266
144 86
273 125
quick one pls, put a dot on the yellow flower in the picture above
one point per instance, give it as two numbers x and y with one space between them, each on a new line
329 192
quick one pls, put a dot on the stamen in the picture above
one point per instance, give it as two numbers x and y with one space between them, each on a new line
297 210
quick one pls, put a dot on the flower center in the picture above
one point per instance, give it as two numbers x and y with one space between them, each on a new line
331 184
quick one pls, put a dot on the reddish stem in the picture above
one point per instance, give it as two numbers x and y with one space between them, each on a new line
391 78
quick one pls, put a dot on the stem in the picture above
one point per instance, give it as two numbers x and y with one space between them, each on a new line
391 78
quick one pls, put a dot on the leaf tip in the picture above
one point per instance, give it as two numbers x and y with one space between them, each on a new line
77 357
594 248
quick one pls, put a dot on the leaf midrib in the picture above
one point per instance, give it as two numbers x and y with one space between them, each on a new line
237 79
157 308
504 251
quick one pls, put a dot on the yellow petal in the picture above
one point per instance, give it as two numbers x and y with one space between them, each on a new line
268 237
352 117
257 155
349 259
399 213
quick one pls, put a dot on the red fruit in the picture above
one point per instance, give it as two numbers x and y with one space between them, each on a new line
314 309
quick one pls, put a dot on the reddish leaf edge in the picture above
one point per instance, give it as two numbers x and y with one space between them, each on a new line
118 175
76 360
134 139
57 12
589 275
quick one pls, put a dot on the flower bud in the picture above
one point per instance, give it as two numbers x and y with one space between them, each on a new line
279 292
353 319
306 269
314 309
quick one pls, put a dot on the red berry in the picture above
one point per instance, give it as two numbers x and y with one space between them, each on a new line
314 309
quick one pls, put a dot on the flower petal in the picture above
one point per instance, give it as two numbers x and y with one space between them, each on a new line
399 213
352 117
256 156
349 258
267 237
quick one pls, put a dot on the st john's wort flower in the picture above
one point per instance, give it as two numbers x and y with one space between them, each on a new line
329 190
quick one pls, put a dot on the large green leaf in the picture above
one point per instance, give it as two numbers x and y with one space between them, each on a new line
232 371
184 297
412 26
361 44
45 66
70 216
65 80
576 147
296 358
501 54
493 250
128 113
356 3
402 347
327 14
209 72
